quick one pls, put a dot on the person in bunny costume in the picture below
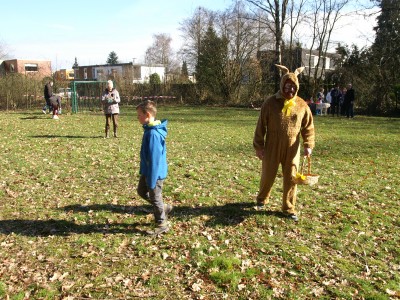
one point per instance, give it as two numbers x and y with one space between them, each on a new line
283 117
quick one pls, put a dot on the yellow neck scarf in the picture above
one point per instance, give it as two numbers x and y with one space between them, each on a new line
287 106
154 123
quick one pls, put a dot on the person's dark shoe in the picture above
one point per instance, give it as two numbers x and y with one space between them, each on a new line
159 229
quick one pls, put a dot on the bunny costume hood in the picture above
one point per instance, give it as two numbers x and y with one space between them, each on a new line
289 75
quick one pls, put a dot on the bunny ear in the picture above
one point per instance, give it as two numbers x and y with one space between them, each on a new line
298 71
283 69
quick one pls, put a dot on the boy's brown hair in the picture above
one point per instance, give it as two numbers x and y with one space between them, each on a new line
148 106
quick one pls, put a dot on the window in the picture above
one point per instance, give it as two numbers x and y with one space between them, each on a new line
313 61
31 67
100 73
85 73
327 63
12 68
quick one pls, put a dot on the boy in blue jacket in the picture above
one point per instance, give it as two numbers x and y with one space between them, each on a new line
153 164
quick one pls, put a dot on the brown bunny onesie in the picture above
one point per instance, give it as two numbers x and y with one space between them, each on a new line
283 117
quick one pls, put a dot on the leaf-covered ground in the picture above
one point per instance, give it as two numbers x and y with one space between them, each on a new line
72 225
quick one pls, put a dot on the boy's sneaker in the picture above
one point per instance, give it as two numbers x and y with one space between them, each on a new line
55 117
159 229
44 111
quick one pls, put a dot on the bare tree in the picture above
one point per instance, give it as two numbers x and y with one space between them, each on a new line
193 29
274 18
241 30
324 15
3 50
160 52
296 11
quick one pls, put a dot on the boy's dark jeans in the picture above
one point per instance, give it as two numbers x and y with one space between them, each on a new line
153 196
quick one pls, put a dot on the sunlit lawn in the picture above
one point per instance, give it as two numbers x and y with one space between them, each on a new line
72 224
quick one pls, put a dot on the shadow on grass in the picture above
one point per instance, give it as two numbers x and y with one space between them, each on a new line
42 117
226 215
62 228
52 136
229 214
122 209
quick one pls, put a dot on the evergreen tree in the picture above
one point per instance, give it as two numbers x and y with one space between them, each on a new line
184 71
211 61
154 79
386 53
112 58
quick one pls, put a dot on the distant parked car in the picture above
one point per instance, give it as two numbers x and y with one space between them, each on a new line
65 93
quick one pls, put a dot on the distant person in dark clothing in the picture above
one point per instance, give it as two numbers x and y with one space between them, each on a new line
48 92
56 104
53 102
335 95
349 101
341 102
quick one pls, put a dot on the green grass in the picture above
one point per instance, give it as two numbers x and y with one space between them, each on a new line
71 223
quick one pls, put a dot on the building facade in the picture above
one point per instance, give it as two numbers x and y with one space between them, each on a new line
310 59
64 74
138 73
38 68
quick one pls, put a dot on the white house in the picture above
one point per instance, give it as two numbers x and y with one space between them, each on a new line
140 73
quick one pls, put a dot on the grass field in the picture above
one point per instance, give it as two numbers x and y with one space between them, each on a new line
71 223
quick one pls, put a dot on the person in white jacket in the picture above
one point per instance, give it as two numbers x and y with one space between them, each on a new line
111 102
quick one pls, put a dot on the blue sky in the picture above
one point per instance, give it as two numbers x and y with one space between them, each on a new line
89 30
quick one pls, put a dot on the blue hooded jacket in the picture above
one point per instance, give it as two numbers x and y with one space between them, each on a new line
153 153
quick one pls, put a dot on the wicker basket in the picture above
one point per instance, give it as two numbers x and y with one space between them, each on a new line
308 178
